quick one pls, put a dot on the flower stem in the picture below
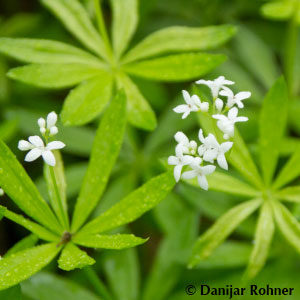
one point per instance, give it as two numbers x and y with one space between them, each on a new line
97 283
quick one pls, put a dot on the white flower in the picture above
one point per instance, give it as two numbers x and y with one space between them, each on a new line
49 125
186 146
211 149
234 99
37 149
226 124
219 104
215 85
1 192
193 103
179 161
200 172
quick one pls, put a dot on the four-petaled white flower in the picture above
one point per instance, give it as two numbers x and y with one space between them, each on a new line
193 103
49 125
37 149
186 146
200 172
179 161
1 192
215 85
234 99
211 149
226 124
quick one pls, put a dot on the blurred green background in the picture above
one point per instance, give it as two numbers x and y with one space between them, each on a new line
157 270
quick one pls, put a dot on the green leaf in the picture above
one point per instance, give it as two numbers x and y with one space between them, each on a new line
125 281
27 242
291 194
262 241
106 147
20 266
116 241
38 230
134 205
75 18
290 171
19 187
287 224
87 100
180 39
140 113
176 67
125 19
53 76
272 125
46 286
72 257
45 52
223 227
279 10
226 183
56 183
13 293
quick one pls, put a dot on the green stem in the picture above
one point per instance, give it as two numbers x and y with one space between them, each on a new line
97 283
290 50
62 213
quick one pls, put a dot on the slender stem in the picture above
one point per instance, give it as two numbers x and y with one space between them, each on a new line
290 49
97 283
63 213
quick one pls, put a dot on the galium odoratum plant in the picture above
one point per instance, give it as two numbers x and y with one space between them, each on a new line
268 193
200 160
170 54
51 224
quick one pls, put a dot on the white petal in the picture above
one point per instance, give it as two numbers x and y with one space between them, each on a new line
204 106
177 172
201 150
233 112
202 81
185 114
211 141
219 104
24 145
201 136
49 158
220 117
1 192
221 159
36 141
51 119
243 95
241 119
181 108
173 160
196 100
42 130
180 137
187 159
210 155
224 147
187 97
206 170
33 154
55 145
203 182
42 122
53 130
189 174
227 92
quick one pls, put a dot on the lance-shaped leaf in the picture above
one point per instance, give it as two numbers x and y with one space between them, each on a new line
72 257
76 19
11 293
223 227
45 52
27 242
53 75
180 39
262 241
272 125
134 205
87 100
115 241
35 228
176 67
19 187
56 183
290 171
106 147
291 194
288 224
228 184
125 19
140 113
20 266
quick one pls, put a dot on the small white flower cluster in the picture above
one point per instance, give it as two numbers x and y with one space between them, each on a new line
36 145
187 152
